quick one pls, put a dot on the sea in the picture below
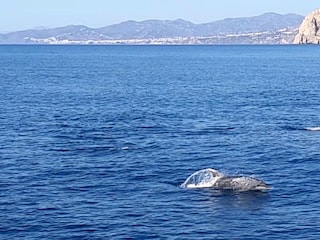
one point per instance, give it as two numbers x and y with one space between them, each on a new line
95 141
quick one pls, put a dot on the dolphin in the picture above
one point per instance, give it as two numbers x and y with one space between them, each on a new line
312 128
211 178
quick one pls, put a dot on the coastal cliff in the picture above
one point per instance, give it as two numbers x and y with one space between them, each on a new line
309 30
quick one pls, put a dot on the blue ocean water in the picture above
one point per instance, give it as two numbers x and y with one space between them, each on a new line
96 140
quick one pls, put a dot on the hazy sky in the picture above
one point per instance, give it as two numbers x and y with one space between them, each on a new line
25 14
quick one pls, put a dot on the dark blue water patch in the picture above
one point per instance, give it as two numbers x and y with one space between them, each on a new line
96 140
294 128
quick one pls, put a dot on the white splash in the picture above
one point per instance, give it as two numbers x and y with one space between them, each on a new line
202 179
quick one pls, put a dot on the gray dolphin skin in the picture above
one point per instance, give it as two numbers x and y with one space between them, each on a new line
211 178
240 183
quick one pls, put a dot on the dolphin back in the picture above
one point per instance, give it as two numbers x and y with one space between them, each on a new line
241 183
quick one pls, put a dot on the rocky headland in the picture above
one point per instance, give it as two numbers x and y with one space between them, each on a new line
309 30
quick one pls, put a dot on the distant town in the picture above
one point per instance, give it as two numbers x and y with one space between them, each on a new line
282 36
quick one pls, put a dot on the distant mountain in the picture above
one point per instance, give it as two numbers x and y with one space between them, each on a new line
176 31
150 29
71 32
262 23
